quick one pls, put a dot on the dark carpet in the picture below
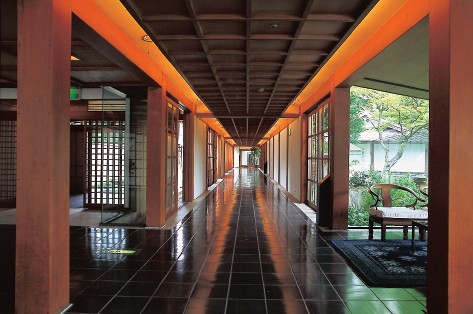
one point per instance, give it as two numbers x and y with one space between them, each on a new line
385 264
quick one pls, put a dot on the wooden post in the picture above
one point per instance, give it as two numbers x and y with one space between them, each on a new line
339 158
156 157
451 159
42 216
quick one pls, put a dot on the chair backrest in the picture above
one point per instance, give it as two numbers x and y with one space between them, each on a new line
385 198
424 190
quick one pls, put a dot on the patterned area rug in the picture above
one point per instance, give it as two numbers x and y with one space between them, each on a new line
385 264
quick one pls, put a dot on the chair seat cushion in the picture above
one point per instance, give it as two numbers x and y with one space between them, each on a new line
399 212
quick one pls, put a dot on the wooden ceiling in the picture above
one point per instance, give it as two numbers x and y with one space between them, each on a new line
246 60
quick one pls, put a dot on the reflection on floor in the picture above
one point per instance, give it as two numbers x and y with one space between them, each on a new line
245 249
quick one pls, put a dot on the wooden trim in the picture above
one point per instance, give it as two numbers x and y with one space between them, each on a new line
189 124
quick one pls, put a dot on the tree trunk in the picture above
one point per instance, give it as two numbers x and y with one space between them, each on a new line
389 163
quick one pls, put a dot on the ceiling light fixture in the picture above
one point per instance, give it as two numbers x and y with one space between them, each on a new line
74 58
146 38
260 90
274 25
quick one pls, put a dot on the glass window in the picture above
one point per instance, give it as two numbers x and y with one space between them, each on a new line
318 150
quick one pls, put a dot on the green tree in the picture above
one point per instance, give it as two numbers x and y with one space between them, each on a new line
357 107
408 115
255 153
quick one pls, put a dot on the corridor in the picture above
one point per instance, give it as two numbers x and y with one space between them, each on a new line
245 249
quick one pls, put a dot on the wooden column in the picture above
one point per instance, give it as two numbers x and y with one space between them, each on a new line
303 179
156 157
450 257
42 216
339 159
189 125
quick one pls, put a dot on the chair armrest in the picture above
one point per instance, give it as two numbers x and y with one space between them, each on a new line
375 196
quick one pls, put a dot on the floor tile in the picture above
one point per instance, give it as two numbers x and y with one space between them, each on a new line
319 292
142 289
399 294
244 249
280 292
104 288
345 279
165 305
418 293
88 304
327 307
356 293
402 307
125 305
246 306
246 292
205 306
367 307
247 278
174 290
213 291
286 306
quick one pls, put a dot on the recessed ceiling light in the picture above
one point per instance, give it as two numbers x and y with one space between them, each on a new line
260 90
146 38
74 58
274 25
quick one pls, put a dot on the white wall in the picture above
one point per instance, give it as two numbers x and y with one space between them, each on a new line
244 157
413 159
294 159
283 158
276 158
200 155
236 157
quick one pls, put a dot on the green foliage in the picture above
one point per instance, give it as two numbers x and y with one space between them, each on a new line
255 153
379 111
363 178
358 209
358 213
357 107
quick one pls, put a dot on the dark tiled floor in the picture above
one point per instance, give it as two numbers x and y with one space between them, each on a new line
246 249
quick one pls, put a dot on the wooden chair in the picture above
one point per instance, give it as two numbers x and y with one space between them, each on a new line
387 214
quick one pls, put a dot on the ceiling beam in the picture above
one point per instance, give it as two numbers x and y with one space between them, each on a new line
252 37
256 17
200 33
234 116
269 52
305 14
